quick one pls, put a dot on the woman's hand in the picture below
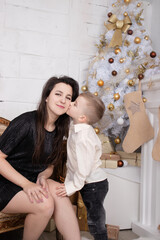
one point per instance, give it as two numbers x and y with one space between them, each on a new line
43 176
61 191
35 192
42 181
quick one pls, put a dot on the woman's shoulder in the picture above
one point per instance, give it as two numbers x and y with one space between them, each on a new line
25 119
18 128
26 116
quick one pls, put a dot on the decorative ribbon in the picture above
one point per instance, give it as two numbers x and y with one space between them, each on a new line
119 26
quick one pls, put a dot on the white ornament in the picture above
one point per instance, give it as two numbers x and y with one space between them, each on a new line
125 163
120 121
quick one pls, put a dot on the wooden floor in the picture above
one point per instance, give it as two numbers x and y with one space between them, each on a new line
17 235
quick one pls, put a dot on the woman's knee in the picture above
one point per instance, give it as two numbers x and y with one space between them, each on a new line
46 208
52 186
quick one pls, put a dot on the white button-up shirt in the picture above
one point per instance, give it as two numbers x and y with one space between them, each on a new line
83 158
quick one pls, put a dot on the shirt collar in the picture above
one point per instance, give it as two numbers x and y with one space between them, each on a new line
79 127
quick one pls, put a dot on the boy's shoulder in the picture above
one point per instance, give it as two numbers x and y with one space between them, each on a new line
80 127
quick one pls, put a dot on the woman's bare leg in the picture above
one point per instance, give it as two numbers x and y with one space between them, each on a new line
64 215
38 214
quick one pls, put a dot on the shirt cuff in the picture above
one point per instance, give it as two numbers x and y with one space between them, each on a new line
70 188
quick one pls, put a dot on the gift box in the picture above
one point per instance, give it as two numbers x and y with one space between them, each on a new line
110 160
103 164
110 156
113 231
111 164
106 143
133 159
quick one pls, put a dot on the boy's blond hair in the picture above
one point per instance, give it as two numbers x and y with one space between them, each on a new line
94 108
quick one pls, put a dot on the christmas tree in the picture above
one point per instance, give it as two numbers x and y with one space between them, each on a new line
124 57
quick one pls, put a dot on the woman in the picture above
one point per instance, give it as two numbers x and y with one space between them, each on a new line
29 149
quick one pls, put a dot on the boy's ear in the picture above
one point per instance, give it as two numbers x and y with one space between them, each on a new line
83 118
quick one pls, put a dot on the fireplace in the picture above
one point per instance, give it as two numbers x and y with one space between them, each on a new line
149 212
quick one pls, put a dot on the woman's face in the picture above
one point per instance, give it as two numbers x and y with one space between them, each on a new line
59 99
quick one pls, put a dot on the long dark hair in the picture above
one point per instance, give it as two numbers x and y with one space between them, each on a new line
61 124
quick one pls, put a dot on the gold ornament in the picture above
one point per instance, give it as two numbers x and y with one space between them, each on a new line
110 107
117 140
127 70
127 1
96 93
96 130
113 5
117 50
121 60
144 99
137 40
146 38
84 88
119 26
125 14
100 83
131 83
138 4
116 96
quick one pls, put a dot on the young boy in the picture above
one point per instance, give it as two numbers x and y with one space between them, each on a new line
83 162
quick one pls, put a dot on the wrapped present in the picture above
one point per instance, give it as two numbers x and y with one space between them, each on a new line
111 163
110 156
113 231
133 159
103 163
106 143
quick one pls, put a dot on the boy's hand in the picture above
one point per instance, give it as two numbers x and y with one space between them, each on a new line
61 191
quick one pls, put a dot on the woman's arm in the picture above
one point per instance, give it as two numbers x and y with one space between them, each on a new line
34 191
8 172
43 176
47 172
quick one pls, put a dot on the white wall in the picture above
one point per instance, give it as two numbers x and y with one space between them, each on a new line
155 22
42 38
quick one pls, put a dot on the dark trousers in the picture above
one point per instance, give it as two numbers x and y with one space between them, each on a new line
93 195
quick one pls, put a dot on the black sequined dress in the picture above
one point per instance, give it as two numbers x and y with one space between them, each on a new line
18 142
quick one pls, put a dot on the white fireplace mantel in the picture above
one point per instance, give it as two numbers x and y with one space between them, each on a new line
149 213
